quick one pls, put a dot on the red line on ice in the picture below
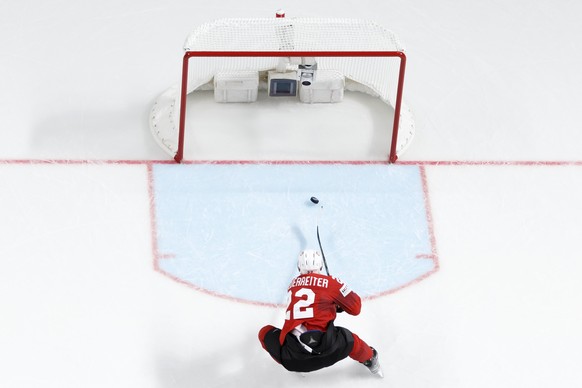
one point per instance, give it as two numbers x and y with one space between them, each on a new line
354 162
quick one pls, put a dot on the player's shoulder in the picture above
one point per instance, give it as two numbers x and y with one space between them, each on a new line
337 279
344 289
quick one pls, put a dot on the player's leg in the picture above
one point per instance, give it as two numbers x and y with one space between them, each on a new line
269 338
361 351
366 355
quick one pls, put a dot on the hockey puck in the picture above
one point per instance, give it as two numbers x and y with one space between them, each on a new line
314 200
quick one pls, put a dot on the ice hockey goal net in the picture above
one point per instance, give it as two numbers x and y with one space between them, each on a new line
369 58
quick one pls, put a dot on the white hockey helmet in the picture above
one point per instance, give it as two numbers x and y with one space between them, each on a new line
309 261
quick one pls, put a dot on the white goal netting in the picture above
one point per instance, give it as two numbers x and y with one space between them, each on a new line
344 46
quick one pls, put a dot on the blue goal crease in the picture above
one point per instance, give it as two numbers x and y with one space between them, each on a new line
236 230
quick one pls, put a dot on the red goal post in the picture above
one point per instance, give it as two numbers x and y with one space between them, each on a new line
368 56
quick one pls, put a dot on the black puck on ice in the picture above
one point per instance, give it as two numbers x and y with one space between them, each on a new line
314 200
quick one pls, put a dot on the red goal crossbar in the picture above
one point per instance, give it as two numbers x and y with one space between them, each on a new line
189 54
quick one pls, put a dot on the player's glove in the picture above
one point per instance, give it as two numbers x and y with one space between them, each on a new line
338 309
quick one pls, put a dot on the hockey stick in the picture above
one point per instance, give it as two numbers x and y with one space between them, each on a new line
316 201
321 249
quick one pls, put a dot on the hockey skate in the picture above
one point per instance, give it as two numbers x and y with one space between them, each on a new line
373 364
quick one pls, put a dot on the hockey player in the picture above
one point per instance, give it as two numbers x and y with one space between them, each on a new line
309 340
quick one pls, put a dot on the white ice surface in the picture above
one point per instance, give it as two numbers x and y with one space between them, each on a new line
80 302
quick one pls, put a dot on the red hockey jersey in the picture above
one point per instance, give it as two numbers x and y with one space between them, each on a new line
313 300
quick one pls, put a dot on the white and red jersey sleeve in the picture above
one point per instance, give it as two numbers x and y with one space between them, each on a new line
312 300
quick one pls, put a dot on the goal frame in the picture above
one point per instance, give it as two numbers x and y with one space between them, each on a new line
190 54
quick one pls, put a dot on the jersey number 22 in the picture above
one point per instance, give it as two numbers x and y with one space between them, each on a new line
301 309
